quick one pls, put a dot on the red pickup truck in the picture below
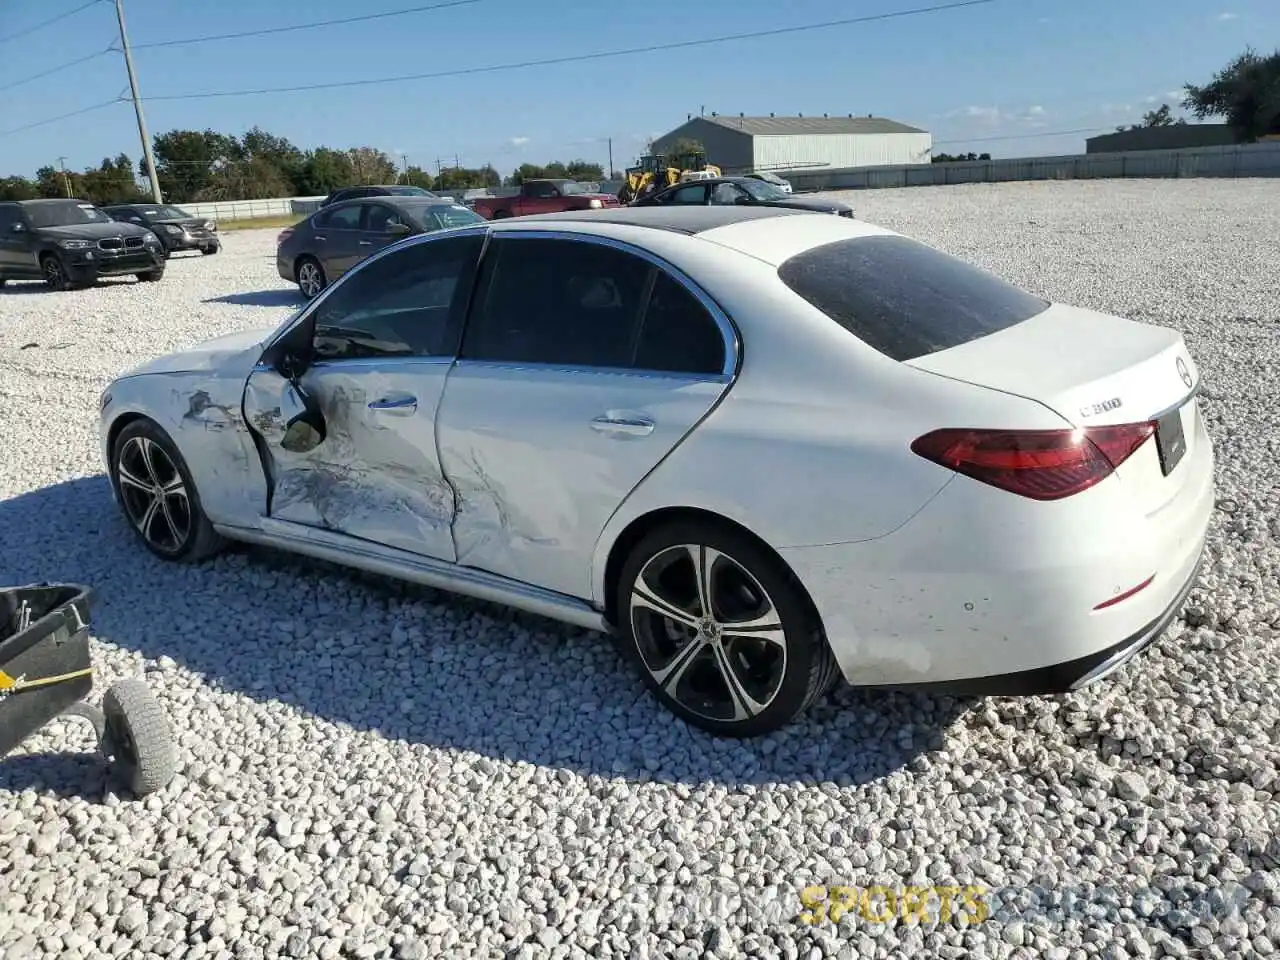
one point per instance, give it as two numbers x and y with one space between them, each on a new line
543 196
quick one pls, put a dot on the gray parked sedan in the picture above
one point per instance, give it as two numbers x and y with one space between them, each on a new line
327 244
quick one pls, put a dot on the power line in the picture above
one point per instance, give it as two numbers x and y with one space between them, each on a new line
49 22
305 26
584 57
61 116
1021 136
58 69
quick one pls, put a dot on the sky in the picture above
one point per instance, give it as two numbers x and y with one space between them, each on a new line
1008 77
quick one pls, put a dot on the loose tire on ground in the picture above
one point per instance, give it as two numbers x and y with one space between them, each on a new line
138 738
805 666
195 539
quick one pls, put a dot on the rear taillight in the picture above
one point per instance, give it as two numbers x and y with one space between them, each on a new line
284 235
1039 464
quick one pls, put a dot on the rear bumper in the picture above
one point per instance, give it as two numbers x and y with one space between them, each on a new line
982 593
1072 674
184 243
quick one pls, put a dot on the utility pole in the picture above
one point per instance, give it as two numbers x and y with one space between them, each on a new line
404 163
457 161
66 181
609 173
137 105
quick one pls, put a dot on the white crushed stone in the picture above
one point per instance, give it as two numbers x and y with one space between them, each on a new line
373 770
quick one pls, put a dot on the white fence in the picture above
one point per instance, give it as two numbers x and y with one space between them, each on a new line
254 209
1237 160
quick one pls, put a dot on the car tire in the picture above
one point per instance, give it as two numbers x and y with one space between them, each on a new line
158 497
209 251
151 276
54 273
500 215
310 277
713 674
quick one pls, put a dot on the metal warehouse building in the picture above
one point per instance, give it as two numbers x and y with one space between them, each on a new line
784 143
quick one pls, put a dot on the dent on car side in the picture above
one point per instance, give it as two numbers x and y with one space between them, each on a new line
197 397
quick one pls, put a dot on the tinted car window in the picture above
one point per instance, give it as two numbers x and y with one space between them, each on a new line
343 218
557 301
726 193
399 305
678 335
8 217
381 218
695 194
904 298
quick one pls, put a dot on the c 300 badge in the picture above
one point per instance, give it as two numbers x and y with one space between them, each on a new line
1184 373
1096 408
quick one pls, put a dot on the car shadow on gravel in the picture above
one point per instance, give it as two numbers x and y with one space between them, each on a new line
418 665
14 287
262 298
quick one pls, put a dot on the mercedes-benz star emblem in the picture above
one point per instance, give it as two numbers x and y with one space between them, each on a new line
1184 373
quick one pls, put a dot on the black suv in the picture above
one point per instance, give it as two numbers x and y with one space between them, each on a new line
71 243
177 229
377 190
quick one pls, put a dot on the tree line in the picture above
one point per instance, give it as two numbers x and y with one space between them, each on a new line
195 165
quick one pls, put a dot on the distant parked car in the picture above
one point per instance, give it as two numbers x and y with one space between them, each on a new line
773 178
72 243
377 190
331 241
176 228
738 191
544 196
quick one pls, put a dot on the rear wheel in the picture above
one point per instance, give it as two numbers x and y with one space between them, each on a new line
311 278
723 633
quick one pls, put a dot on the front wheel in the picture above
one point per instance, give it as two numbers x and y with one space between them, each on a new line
54 273
209 251
159 499
723 633
151 276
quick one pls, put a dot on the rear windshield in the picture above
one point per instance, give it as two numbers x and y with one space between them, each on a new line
904 298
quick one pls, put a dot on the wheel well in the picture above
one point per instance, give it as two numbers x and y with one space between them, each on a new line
641 527
297 264
117 427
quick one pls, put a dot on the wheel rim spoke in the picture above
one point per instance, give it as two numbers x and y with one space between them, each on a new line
125 476
642 598
149 517
744 705
669 676
766 627
704 560
148 460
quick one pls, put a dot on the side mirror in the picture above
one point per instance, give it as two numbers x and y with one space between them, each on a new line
19 228
399 229
304 427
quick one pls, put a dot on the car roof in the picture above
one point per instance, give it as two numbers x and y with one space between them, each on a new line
396 199
50 201
686 220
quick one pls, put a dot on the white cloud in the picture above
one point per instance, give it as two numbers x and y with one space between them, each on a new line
993 116
1224 17
1117 108
1175 95
519 141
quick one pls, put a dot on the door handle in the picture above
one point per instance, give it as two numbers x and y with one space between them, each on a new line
318 237
398 404
366 243
631 426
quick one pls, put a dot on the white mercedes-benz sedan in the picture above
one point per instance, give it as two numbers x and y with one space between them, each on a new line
765 448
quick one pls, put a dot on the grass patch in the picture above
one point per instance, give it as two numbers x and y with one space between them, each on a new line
259 223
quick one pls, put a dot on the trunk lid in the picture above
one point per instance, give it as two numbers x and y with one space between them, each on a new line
1090 368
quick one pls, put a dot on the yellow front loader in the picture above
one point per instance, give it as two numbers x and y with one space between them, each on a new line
657 172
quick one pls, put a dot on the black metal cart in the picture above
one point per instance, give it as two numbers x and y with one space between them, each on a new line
46 671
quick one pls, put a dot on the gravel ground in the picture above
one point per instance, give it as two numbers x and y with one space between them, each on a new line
373 770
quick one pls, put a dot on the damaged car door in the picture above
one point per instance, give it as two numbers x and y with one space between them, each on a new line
345 402
584 363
